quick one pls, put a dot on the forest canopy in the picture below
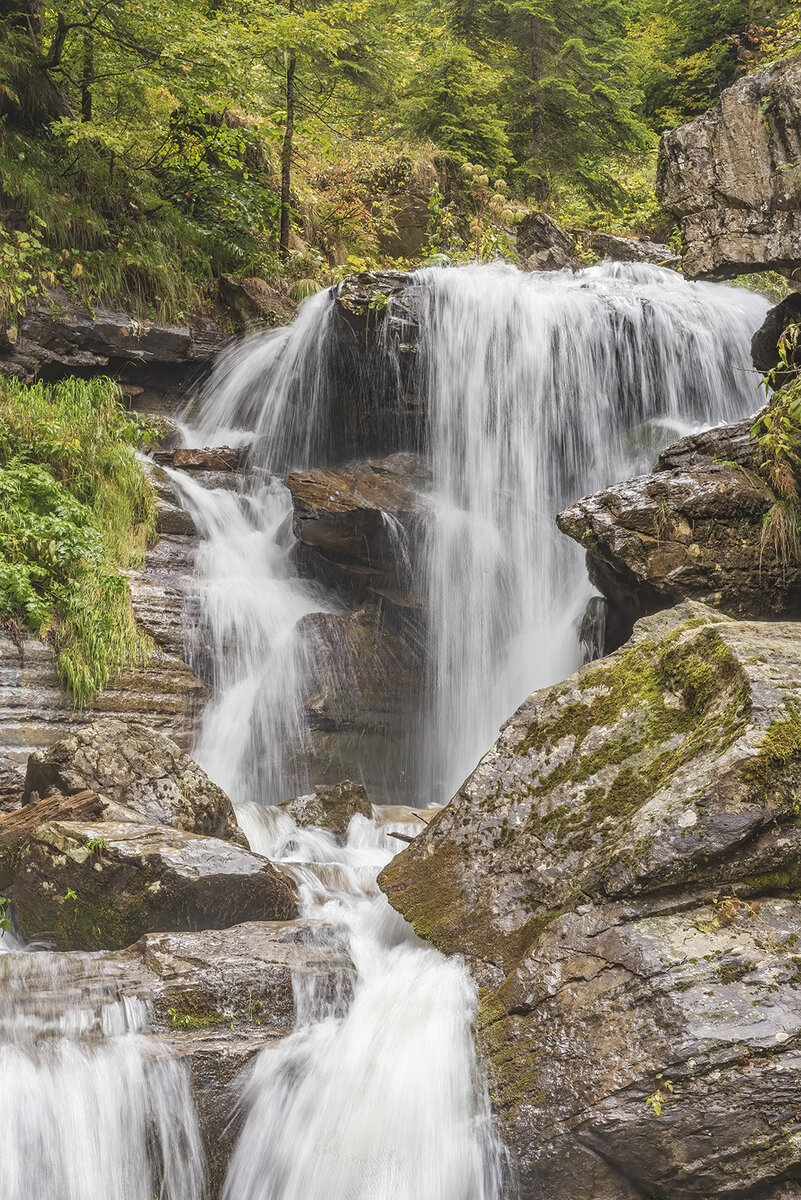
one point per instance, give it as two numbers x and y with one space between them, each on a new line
148 147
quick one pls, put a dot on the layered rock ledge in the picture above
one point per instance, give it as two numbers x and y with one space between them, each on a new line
693 529
622 870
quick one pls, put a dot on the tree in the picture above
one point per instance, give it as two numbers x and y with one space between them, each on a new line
576 107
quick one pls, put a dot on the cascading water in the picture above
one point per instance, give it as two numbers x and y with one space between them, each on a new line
542 388
90 1107
385 1102
537 389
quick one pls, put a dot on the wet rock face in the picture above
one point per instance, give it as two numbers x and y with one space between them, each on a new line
361 523
731 175
621 870
35 709
136 766
363 691
330 808
694 529
101 885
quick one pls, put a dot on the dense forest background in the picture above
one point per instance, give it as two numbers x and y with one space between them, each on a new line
150 147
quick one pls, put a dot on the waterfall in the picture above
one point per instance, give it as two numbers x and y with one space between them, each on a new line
536 389
91 1107
524 391
542 388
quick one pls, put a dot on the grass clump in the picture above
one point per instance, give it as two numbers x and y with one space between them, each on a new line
75 508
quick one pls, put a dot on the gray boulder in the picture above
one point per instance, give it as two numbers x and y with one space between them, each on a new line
98 885
731 177
136 766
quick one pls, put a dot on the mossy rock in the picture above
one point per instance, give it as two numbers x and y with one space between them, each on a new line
101 885
331 808
647 770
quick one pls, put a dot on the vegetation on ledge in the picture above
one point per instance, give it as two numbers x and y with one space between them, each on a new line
75 508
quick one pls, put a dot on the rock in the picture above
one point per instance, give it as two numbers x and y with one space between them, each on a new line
16 827
12 782
59 333
363 300
724 443
622 872
162 589
627 249
765 342
358 525
101 885
730 176
134 765
254 303
36 710
330 807
543 245
214 458
363 691
695 529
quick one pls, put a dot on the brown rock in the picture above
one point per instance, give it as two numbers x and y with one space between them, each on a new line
330 807
101 885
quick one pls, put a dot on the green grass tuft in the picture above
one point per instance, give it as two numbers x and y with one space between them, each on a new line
75 509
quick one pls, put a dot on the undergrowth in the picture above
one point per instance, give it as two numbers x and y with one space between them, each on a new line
75 509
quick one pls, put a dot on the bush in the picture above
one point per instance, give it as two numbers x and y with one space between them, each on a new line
75 508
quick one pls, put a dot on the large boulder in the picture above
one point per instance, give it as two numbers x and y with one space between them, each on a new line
95 885
694 529
136 766
622 871
330 807
731 177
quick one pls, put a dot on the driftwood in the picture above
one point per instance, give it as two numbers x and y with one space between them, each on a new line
16 827
402 837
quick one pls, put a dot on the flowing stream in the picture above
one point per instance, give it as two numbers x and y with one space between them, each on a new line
536 389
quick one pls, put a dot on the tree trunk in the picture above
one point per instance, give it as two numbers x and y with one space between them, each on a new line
286 156
37 97
87 76
537 57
